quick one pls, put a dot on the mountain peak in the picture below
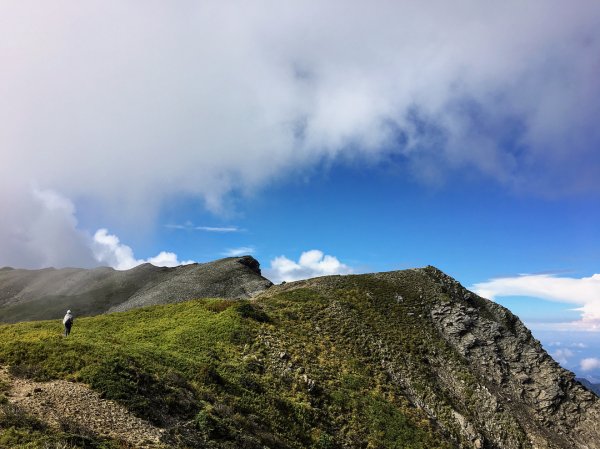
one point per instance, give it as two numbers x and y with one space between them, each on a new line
251 263
46 294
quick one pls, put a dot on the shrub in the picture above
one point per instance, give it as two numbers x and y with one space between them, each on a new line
252 311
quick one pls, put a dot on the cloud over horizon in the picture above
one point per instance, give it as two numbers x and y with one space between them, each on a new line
39 229
49 237
108 250
581 292
311 264
125 104
590 364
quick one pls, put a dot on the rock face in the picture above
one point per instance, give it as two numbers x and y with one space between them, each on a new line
46 294
516 374
237 278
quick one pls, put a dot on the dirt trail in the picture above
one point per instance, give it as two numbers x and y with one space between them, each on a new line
59 400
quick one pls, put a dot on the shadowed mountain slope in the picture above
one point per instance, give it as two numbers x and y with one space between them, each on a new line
46 294
593 387
405 359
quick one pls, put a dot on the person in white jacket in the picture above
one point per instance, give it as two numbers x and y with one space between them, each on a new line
68 322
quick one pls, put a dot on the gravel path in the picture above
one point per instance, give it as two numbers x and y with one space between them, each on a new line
59 400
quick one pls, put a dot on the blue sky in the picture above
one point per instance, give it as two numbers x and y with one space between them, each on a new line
383 137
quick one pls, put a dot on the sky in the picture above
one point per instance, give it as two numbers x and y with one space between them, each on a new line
320 137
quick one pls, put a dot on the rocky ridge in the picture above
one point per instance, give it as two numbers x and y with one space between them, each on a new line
45 294
515 371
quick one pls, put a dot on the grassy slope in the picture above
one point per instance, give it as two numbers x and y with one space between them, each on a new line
287 371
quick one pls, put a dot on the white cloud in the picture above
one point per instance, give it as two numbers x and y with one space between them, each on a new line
590 364
562 356
191 227
578 345
217 229
127 104
39 229
241 251
311 264
109 250
167 259
42 230
582 292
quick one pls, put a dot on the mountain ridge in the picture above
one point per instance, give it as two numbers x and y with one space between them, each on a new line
385 360
593 387
47 293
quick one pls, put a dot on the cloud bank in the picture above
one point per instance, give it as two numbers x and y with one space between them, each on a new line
49 236
38 229
311 264
581 292
108 250
124 104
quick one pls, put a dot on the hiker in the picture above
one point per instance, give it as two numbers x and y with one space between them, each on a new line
68 322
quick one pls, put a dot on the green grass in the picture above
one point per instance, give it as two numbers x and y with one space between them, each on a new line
301 369
147 359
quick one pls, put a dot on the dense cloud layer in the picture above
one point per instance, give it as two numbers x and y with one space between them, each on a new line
38 228
125 103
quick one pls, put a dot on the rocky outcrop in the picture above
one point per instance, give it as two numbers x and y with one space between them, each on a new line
550 405
46 294
235 277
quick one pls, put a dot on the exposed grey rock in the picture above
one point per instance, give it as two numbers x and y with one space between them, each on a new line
46 294
538 392
235 277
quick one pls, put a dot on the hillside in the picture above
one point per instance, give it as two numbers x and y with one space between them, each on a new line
48 293
593 387
406 359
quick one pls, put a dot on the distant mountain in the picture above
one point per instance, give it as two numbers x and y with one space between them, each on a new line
589 385
48 293
405 359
